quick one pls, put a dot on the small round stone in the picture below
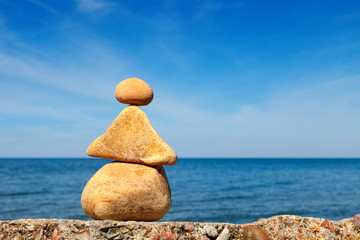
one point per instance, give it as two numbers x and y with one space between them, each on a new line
134 91
211 231
224 235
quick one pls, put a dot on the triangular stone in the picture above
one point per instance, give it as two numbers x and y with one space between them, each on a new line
131 138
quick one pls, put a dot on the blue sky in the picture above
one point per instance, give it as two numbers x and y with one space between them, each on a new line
231 78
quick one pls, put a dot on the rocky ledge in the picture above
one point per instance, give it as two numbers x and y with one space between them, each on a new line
278 227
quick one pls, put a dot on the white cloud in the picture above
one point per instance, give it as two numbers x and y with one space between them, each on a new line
319 121
43 6
350 17
91 5
45 142
315 121
93 73
209 7
61 104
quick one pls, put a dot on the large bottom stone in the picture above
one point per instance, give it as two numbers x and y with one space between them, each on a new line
127 191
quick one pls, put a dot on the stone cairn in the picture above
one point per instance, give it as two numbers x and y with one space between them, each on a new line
134 187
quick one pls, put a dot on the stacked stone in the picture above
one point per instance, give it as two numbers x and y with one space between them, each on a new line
134 187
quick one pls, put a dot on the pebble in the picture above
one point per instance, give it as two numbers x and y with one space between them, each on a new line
31 228
329 234
211 231
254 233
127 191
131 138
134 91
224 235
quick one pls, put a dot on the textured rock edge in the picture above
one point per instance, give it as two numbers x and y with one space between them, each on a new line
277 227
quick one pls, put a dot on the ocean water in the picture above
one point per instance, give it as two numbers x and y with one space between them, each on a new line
205 190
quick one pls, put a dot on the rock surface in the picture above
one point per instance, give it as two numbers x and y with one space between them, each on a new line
356 221
277 227
131 138
127 191
134 91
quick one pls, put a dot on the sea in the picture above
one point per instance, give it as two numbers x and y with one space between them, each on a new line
203 190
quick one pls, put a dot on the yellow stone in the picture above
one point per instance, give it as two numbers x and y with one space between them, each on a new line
127 191
131 138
